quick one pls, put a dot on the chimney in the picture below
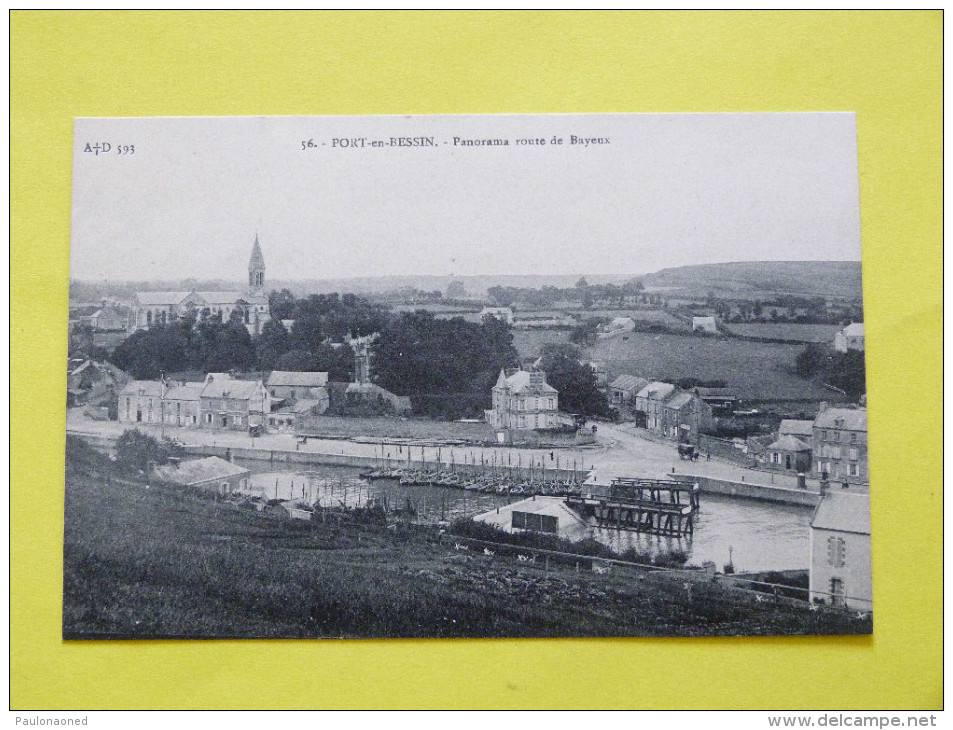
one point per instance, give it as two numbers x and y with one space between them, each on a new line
823 406
825 484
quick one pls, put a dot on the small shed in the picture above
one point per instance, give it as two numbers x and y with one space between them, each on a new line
789 453
704 324
210 473
624 389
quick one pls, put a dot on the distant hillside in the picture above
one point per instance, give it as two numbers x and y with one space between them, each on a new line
474 285
806 278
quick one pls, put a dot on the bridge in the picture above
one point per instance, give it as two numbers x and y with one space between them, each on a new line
660 507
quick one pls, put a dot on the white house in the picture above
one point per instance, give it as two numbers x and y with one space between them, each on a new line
523 400
840 551
704 324
850 338
649 402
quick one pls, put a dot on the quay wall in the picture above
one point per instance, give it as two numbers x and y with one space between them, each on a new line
708 485
764 492
278 456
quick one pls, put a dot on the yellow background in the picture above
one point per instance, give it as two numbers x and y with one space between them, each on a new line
886 66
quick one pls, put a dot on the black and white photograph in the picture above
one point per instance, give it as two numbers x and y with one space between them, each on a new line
466 376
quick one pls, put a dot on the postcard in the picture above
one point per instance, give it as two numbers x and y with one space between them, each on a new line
466 376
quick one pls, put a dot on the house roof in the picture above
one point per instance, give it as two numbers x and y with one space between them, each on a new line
519 382
854 329
679 400
789 443
794 427
852 419
551 506
302 405
629 382
236 389
188 391
143 387
703 320
843 511
656 390
296 378
198 471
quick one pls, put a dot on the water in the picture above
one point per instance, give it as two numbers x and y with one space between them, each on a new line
754 535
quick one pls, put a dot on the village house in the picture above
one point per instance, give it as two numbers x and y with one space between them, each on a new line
107 319
284 384
523 400
850 338
721 400
839 444
182 404
649 402
684 417
212 473
704 324
140 401
234 404
840 573
163 307
504 314
288 417
623 390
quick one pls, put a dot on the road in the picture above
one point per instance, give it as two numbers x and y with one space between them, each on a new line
620 451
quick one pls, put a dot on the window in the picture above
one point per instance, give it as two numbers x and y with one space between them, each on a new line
837 435
853 453
775 458
853 470
836 552
853 438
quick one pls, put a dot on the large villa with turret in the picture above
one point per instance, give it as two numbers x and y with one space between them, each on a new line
160 307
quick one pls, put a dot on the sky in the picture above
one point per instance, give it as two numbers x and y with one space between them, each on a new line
177 198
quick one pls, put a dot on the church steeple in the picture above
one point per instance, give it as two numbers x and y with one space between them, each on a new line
256 268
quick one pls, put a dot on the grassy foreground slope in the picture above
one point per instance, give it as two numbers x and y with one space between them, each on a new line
158 561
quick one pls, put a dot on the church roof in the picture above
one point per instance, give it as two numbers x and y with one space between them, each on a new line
257 260
222 297
161 298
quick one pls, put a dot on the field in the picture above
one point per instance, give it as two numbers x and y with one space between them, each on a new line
146 562
791 332
754 370
529 343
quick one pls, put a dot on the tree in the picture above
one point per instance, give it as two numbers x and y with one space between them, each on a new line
810 360
848 372
273 342
446 366
281 304
576 382
137 451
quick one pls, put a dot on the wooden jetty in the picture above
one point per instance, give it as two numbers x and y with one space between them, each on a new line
657 506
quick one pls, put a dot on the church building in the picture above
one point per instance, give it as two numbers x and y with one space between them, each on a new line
160 307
